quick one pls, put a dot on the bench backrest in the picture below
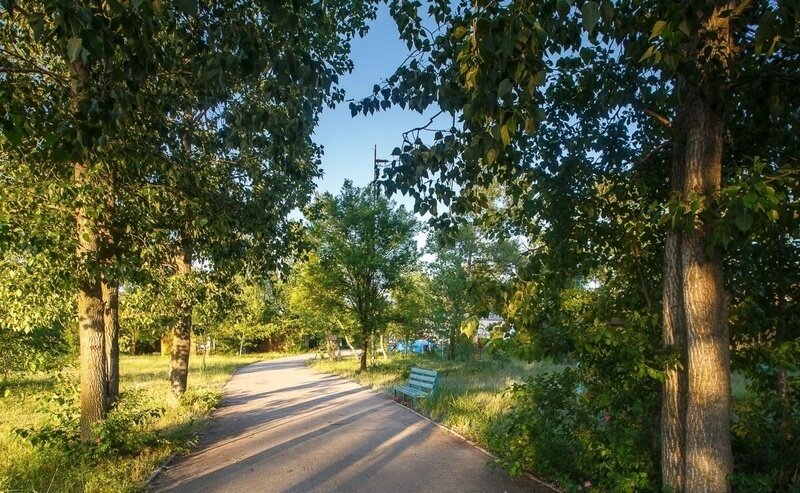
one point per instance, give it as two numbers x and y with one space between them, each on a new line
422 379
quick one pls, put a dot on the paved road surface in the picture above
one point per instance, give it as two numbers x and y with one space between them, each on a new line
285 428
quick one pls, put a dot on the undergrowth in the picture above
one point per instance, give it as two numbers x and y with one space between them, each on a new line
40 449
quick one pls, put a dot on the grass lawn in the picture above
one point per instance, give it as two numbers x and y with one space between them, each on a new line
29 404
469 394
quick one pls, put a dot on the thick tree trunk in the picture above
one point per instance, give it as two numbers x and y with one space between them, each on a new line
111 317
94 379
110 287
673 404
181 333
696 400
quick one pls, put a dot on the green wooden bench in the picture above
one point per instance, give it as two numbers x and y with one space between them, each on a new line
421 383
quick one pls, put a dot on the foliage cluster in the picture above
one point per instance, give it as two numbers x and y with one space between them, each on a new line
648 149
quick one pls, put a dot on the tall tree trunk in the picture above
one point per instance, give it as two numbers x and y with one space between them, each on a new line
696 406
111 318
352 349
91 326
364 346
696 400
110 287
383 347
451 349
182 332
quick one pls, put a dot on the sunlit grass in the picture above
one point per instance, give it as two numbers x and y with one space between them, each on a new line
26 468
469 395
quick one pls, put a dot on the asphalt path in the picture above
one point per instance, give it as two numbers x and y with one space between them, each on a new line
283 427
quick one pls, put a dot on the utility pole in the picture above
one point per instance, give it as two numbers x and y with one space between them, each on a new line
375 163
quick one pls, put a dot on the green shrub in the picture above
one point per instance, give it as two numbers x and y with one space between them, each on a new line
124 432
766 436
564 430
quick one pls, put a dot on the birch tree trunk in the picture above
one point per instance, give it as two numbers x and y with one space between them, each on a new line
352 349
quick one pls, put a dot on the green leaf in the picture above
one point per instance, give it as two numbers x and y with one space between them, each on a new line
469 327
505 134
744 221
491 156
459 32
658 28
591 14
504 88
540 78
651 50
750 199
74 46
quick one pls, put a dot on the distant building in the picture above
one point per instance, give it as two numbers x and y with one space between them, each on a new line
486 324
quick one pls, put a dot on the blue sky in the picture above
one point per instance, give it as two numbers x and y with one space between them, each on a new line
349 141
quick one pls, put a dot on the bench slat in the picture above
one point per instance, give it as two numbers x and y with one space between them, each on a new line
427 385
423 371
421 378
410 391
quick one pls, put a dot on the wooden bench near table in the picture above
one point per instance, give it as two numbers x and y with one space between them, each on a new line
421 383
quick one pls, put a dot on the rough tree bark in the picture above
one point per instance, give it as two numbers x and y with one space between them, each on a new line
110 288
696 402
709 459
111 319
673 404
696 452
182 331
91 326
364 350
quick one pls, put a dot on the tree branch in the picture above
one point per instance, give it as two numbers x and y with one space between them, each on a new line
40 71
659 118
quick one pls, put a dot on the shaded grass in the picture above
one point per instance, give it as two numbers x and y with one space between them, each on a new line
143 383
469 395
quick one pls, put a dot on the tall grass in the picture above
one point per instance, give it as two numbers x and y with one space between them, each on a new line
24 467
469 395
